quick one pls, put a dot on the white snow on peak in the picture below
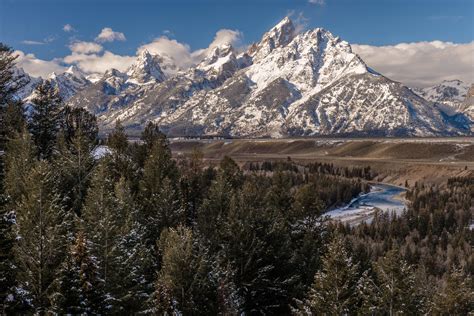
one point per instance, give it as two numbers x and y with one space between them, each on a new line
310 61
146 68
279 36
448 92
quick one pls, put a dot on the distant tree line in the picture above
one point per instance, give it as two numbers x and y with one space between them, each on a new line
138 232
313 167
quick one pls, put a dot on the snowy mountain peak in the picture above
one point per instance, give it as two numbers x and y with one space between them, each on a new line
112 72
278 36
73 70
288 84
217 57
146 69
69 82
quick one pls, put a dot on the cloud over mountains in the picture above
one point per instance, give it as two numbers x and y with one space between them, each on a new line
423 63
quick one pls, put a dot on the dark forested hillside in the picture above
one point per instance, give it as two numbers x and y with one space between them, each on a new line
135 231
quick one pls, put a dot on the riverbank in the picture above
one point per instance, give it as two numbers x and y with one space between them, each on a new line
382 197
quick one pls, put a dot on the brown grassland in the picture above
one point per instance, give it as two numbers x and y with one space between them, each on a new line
430 160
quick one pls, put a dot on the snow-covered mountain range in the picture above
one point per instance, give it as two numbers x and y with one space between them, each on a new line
288 84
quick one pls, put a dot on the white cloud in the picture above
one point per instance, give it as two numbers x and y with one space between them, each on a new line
85 47
109 35
317 2
28 42
423 63
38 67
181 53
226 36
94 63
222 37
47 40
68 28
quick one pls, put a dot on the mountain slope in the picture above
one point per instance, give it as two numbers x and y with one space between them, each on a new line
449 92
287 84
68 83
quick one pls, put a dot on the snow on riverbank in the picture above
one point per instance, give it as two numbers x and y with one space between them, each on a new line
383 197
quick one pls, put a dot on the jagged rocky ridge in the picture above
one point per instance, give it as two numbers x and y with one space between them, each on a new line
287 84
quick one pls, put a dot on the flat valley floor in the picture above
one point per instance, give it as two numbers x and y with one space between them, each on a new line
396 160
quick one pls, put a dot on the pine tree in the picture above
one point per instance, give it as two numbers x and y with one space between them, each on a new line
334 289
121 163
455 296
367 292
161 206
230 172
45 119
67 297
151 135
102 222
19 160
43 238
13 119
192 185
10 302
117 140
74 163
214 210
183 284
279 197
397 293
255 244
9 85
79 122
78 288
130 288
309 234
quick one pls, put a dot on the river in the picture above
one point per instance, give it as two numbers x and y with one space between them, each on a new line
383 197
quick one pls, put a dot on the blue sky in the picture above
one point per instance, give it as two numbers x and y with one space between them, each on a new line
374 22
36 26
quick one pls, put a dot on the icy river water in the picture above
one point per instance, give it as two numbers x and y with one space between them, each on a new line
383 197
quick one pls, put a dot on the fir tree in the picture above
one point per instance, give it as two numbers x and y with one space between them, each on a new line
255 243
43 238
214 210
102 222
192 185
367 292
455 296
130 288
79 288
159 194
9 85
13 119
74 164
151 135
397 293
334 287
183 284
117 140
121 163
19 160
45 119
10 299
77 122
